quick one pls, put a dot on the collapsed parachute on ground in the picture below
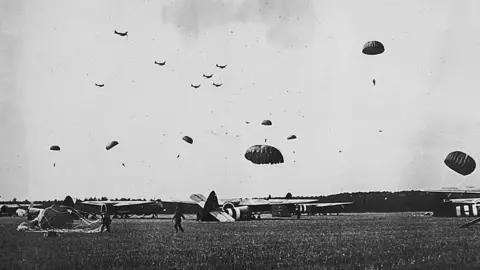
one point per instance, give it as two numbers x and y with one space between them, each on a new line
20 212
291 137
60 218
187 139
264 154
111 145
55 148
266 122
373 48
460 163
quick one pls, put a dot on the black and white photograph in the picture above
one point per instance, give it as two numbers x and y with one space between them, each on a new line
239 134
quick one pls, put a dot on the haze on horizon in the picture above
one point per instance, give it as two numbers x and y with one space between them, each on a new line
297 63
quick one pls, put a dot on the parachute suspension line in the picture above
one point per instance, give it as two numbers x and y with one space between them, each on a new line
464 177
442 178
463 181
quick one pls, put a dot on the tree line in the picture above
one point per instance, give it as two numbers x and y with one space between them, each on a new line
377 201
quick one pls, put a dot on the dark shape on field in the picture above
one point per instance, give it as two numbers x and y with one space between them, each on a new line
111 145
55 148
100 85
187 139
291 137
373 48
247 122
266 122
374 82
178 156
68 201
218 85
121 34
380 130
207 76
288 196
160 63
222 67
123 164
460 163
264 154
195 86
54 165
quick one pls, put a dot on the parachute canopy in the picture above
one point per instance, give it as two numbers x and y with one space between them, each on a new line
264 154
55 217
460 163
60 218
20 212
187 139
266 122
55 148
373 48
111 145
291 137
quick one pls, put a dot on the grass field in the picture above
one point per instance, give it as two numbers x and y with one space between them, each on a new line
346 241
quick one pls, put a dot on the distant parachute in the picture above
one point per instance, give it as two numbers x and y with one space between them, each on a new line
111 145
373 48
266 122
187 139
264 154
55 148
291 137
460 163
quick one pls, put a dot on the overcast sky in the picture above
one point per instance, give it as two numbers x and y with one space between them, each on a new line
297 63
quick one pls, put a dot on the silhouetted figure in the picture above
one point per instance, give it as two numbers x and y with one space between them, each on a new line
106 221
374 82
178 220
299 213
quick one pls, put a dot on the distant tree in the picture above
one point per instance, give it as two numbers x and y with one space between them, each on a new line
288 196
14 200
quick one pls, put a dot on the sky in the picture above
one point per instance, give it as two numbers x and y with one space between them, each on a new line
298 63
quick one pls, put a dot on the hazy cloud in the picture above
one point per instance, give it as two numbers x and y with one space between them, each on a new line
288 23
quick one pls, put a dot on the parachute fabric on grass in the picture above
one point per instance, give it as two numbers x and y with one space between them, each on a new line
460 163
61 219
264 154
21 212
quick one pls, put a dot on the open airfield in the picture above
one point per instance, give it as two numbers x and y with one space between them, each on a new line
395 240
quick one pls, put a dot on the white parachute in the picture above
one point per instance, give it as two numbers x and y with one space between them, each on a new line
62 219
20 212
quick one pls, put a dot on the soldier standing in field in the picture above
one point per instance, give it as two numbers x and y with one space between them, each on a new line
299 213
178 219
106 222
